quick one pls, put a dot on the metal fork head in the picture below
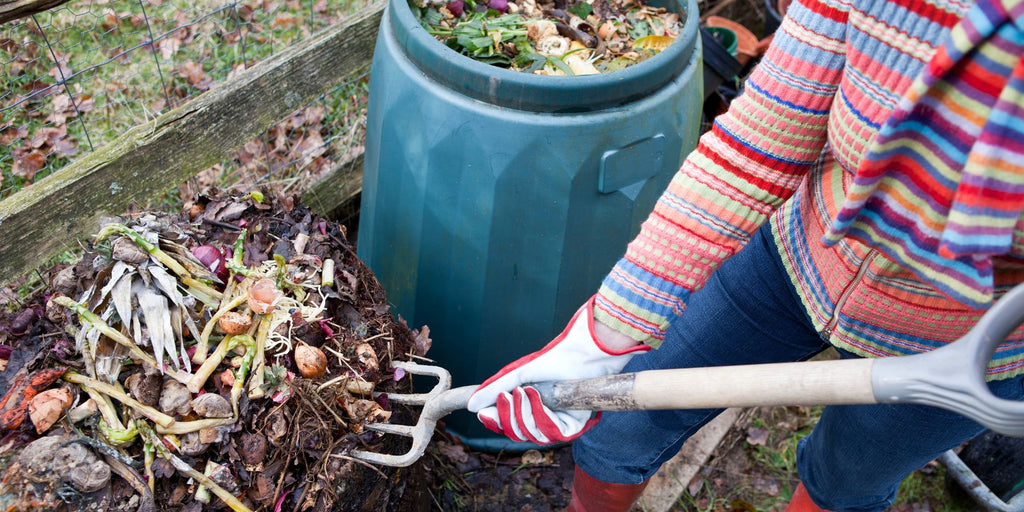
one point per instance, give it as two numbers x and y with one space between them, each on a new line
437 403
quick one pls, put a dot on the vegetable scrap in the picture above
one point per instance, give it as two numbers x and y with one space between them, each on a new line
228 357
551 37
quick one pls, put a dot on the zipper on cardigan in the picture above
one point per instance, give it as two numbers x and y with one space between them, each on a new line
827 331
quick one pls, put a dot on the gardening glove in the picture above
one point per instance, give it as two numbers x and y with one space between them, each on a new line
504 406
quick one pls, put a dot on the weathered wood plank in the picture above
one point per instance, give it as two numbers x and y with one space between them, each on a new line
39 221
341 185
14 9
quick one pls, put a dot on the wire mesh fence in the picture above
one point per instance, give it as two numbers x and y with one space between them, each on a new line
81 74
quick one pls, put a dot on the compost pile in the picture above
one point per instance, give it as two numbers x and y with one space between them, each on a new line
552 37
230 356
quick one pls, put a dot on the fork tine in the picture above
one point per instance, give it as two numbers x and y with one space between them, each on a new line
440 401
410 399
444 383
387 428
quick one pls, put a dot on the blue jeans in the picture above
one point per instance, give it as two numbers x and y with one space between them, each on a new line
748 313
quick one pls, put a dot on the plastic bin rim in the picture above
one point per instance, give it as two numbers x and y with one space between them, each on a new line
540 93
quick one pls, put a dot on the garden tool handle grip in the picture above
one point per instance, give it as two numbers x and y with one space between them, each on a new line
953 377
806 383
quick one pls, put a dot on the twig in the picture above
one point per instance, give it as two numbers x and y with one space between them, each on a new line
421 358
336 417
375 336
359 461
225 225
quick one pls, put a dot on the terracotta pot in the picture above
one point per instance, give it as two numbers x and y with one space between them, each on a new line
746 41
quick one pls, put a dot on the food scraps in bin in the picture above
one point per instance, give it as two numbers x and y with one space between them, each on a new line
556 37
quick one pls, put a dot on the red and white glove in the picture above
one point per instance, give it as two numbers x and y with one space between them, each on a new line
504 406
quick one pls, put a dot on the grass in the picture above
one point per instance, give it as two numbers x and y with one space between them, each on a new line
81 74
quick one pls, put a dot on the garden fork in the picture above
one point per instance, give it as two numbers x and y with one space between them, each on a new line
951 377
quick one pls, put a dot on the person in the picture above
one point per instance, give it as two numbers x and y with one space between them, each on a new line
864 192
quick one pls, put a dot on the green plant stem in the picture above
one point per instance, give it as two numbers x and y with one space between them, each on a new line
189 471
119 437
118 394
259 360
203 344
235 264
148 453
198 379
185 427
106 408
243 369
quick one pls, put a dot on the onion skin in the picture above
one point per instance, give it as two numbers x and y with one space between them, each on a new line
264 296
498 5
234 322
311 361
214 259
456 7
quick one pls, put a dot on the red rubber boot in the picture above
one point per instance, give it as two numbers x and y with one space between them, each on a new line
592 495
801 501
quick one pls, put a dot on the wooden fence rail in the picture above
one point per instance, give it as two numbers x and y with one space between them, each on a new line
39 222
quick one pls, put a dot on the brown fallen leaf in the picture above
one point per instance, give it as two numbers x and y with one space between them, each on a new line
454 452
26 166
757 436
695 485
422 341
47 407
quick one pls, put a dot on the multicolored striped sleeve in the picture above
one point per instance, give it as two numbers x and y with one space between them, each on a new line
748 164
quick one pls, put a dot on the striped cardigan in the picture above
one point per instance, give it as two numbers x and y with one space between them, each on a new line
786 152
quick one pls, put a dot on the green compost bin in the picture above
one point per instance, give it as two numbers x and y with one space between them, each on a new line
495 201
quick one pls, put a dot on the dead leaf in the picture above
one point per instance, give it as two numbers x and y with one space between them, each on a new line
769 486
696 484
196 76
284 20
110 22
310 147
26 166
47 407
454 452
422 341
65 147
353 281
533 457
757 436
169 46
86 102
162 468
63 69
